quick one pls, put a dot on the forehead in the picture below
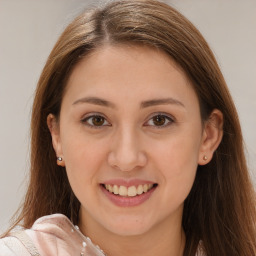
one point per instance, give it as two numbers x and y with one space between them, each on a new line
127 72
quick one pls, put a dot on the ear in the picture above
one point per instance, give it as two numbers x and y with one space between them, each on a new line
53 126
211 137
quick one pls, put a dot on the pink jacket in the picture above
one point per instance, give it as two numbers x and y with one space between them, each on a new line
51 235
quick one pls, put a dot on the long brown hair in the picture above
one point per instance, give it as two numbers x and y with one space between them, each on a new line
220 209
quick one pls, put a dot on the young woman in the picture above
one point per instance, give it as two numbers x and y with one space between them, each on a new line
149 150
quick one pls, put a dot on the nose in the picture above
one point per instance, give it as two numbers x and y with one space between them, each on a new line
126 152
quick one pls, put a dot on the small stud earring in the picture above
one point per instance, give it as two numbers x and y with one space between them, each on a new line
205 158
60 161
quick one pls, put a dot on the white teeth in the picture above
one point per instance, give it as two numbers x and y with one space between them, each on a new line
130 191
123 191
140 190
145 188
115 189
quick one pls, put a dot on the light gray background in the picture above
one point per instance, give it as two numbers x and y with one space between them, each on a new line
28 31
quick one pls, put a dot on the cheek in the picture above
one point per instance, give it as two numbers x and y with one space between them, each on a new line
177 162
83 158
178 151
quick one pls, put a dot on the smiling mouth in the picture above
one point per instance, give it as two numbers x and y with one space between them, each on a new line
130 191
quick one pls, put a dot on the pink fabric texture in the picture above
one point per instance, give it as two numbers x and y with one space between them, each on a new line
51 235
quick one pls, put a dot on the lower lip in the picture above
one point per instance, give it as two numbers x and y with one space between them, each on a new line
127 201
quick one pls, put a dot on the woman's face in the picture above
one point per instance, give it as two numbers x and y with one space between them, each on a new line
129 123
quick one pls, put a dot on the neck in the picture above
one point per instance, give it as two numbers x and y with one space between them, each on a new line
165 239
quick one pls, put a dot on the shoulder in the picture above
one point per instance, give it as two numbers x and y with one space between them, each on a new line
12 246
44 238
55 235
50 235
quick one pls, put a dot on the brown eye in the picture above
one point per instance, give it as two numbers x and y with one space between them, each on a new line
95 121
159 120
98 120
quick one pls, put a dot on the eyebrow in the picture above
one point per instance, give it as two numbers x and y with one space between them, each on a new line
165 101
144 104
95 101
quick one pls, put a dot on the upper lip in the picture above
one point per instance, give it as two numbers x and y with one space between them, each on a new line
127 183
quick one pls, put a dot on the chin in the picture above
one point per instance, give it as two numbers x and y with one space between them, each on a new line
128 228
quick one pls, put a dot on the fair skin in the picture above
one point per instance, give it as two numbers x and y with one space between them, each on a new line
147 130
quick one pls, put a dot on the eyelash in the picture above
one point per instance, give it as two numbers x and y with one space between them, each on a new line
166 117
